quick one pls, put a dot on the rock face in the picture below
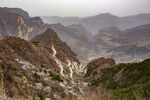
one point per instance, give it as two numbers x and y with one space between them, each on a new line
16 22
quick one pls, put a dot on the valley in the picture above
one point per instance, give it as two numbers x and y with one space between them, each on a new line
101 57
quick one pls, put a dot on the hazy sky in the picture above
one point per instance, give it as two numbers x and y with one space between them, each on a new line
79 7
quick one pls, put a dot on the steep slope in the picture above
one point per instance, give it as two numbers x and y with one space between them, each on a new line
49 38
75 36
47 69
121 82
16 22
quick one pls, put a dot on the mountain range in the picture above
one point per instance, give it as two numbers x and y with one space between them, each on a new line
40 61
95 23
114 35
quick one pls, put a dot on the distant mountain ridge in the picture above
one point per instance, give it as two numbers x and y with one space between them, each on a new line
130 44
97 22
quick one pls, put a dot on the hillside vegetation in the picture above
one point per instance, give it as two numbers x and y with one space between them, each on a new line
125 81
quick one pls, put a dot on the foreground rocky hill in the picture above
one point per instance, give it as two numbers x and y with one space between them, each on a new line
39 70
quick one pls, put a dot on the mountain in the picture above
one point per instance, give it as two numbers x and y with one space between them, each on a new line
134 44
105 35
108 42
41 69
140 32
76 37
16 11
97 22
46 68
130 45
64 20
49 38
34 70
16 22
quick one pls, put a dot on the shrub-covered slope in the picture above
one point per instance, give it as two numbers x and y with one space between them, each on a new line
125 81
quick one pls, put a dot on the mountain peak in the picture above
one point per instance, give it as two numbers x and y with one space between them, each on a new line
15 10
49 38
106 14
49 31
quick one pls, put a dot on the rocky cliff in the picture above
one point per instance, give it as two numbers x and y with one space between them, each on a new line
16 22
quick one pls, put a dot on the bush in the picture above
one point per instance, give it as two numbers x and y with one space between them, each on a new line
55 77
36 75
36 43
41 97
88 72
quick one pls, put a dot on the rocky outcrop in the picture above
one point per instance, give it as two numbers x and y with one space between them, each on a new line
16 22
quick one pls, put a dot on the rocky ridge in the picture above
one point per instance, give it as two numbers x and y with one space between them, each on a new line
16 22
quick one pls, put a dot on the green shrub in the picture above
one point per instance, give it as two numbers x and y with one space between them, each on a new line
88 72
94 73
36 43
55 77
36 75
41 97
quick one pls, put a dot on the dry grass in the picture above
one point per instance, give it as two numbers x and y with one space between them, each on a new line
23 88
2 85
